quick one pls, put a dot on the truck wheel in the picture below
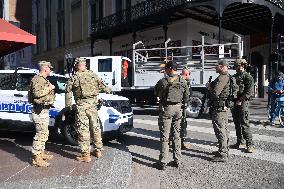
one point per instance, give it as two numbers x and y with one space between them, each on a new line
195 105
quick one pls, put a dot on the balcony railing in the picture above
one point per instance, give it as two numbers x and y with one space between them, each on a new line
279 3
140 10
147 9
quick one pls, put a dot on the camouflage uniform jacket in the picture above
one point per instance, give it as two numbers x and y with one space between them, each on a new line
160 89
39 92
246 84
219 88
84 85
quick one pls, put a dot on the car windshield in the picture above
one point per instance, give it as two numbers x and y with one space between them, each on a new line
59 83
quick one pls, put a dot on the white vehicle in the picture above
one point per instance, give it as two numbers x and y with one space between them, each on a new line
115 113
145 70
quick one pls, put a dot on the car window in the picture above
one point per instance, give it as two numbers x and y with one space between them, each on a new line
8 81
24 80
59 83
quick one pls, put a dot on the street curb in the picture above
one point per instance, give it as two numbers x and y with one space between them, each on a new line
113 170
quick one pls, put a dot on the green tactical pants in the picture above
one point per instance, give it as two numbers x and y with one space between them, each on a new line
183 130
87 125
220 125
241 120
169 120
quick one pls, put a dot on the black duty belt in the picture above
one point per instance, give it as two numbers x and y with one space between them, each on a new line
43 106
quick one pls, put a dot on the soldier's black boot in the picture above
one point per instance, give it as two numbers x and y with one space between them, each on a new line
175 164
238 145
220 158
160 166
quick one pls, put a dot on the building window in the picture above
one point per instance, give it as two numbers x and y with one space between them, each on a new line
97 11
47 8
60 4
60 23
47 36
118 5
76 20
60 33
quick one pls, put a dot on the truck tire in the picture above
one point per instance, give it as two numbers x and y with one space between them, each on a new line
195 105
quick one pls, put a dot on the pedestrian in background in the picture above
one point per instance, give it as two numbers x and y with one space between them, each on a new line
172 92
219 91
276 90
240 110
85 85
41 96
185 73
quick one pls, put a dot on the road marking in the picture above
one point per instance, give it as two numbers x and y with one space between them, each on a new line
72 170
264 138
16 173
258 154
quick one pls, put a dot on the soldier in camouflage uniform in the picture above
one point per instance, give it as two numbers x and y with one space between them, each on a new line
85 86
172 92
183 132
240 110
219 93
41 96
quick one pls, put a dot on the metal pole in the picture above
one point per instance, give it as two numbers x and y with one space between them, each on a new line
220 22
92 47
270 50
202 61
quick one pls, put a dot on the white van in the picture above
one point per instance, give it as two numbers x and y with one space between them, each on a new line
115 112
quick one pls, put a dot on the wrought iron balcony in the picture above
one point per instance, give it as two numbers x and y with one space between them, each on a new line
279 3
152 12
141 10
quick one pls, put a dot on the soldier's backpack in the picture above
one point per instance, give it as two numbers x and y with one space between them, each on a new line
174 90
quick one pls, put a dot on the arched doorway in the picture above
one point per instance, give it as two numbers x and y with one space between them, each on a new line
257 72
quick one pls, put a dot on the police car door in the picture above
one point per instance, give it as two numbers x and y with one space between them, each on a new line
108 69
21 97
7 88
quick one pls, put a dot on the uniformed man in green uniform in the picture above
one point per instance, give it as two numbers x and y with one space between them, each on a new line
172 92
41 96
85 86
240 110
218 94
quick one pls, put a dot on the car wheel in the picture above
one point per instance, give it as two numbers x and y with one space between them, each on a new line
195 105
70 133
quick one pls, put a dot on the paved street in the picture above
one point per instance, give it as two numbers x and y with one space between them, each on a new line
262 169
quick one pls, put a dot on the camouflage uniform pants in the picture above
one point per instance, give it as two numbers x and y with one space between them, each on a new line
241 121
220 125
169 120
87 125
41 120
183 130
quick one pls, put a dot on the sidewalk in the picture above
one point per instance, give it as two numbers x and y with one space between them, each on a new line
113 170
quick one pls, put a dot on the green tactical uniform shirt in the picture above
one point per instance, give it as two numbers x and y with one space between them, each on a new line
219 88
246 84
160 89
40 93
84 85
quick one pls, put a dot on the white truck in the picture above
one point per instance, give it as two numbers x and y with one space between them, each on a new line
115 113
145 69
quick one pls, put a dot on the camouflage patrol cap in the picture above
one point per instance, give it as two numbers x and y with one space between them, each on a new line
223 62
240 61
79 60
45 63
171 65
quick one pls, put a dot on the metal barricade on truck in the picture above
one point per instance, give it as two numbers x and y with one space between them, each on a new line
136 79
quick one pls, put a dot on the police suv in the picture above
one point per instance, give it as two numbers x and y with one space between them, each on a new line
115 113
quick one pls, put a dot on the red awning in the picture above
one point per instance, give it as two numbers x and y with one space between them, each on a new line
13 38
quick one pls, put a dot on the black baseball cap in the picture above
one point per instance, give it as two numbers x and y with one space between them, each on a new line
171 65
